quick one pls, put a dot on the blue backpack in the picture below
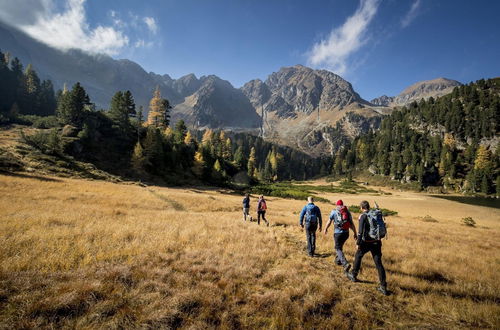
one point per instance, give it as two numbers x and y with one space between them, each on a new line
311 217
377 224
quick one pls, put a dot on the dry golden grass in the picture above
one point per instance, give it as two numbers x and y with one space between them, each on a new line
91 254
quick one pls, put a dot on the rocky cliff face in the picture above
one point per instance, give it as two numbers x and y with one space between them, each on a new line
217 104
298 89
416 92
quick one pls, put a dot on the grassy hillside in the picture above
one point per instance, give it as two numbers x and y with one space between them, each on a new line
91 254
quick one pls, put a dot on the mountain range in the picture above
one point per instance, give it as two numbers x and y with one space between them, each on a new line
295 106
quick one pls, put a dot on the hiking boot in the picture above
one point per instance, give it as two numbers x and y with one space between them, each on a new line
347 267
351 277
268 224
383 290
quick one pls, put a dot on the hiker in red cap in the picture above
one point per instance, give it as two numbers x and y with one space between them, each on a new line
342 221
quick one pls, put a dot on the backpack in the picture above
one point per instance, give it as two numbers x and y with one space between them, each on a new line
263 205
341 218
310 216
377 224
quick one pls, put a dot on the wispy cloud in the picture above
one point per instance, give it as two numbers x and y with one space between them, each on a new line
333 52
67 27
151 24
411 14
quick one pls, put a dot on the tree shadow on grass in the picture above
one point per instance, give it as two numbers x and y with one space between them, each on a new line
453 294
30 176
429 276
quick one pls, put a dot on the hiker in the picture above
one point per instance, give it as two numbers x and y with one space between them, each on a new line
246 207
312 215
261 210
369 235
342 221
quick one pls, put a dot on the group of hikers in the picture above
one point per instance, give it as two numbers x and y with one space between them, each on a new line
368 238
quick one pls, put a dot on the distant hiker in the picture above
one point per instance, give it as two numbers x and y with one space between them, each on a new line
246 207
312 215
371 230
342 221
261 210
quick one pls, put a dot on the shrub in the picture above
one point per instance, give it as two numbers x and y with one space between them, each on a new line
47 143
468 221
428 218
385 212
39 121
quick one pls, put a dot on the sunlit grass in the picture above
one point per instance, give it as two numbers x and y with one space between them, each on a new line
93 254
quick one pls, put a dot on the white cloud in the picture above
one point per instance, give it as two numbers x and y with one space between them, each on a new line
66 27
411 14
151 23
333 52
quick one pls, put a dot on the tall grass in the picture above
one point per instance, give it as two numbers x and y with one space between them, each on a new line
90 254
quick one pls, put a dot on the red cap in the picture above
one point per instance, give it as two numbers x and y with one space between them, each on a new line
339 202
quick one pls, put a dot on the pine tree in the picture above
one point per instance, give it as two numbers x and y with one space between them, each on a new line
199 164
119 111
180 132
251 163
159 110
207 137
138 157
71 106
483 159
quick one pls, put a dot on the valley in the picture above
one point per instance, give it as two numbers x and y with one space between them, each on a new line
79 253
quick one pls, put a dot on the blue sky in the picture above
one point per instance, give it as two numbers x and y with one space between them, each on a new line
380 46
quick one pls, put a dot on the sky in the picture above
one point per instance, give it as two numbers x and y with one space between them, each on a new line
380 46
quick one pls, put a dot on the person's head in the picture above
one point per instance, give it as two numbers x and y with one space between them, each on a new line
247 195
364 205
261 197
340 202
310 199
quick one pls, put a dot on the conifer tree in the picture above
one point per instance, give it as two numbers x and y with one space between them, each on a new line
159 110
251 163
71 106
138 157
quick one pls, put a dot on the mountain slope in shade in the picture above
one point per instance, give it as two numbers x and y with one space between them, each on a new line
217 104
420 90
100 75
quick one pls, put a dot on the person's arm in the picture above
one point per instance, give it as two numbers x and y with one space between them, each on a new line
319 218
301 219
361 228
328 223
353 227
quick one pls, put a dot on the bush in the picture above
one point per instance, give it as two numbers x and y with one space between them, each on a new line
468 221
39 121
428 218
385 212
47 143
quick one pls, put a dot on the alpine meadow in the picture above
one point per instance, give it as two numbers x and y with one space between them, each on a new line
306 197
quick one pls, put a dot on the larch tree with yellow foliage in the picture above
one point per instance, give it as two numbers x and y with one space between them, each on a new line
158 110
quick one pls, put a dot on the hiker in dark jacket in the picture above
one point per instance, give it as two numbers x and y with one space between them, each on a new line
367 244
261 210
246 207
312 216
342 222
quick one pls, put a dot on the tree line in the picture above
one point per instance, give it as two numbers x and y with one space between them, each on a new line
445 141
22 91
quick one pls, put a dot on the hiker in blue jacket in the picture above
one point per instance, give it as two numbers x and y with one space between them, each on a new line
312 216
246 207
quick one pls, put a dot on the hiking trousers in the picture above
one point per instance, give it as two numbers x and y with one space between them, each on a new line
246 213
340 239
376 250
263 213
311 237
